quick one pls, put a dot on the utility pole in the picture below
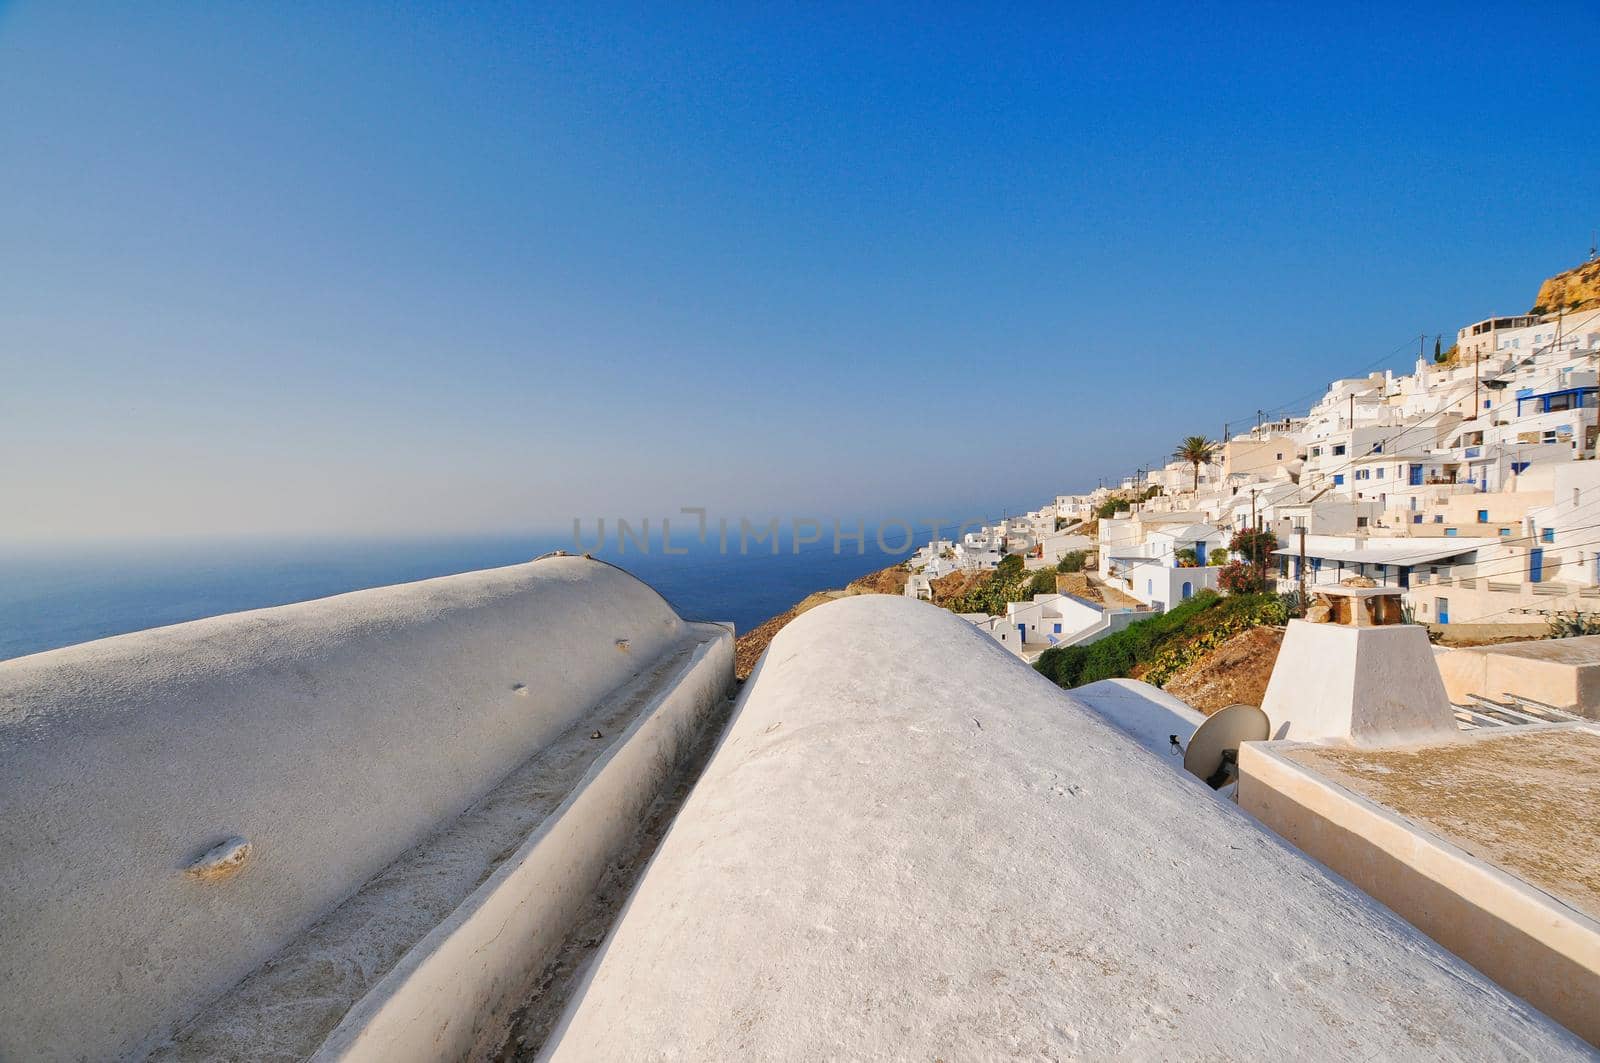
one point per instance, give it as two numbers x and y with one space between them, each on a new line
1352 409
1302 567
1476 405
1258 424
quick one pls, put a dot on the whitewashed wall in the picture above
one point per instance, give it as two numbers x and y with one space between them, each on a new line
911 845
330 735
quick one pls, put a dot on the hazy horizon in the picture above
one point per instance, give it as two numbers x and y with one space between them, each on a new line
300 271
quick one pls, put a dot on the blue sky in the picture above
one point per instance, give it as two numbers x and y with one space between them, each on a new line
342 269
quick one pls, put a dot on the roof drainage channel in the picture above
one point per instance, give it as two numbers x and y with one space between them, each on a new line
290 1005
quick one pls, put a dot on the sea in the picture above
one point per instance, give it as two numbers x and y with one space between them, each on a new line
53 596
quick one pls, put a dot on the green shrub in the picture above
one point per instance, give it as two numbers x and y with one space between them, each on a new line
1237 577
1111 507
1166 643
1007 583
1043 582
1073 561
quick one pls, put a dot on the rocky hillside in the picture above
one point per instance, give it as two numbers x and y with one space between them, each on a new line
1236 671
1576 289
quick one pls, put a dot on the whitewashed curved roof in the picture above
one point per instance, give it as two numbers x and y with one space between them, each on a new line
329 736
910 845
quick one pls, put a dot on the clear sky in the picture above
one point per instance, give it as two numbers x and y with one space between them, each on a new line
345 269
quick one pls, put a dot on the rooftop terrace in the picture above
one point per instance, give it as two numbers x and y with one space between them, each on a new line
1525 800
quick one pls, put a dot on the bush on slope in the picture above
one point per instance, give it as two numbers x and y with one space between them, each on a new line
1164 644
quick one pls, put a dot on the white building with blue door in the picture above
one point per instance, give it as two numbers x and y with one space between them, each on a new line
1153 570
1550 564
1029 628
1390 561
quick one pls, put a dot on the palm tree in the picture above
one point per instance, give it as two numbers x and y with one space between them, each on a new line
1197 451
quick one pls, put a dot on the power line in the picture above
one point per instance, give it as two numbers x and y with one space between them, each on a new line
1377 448
1294 402
1403 430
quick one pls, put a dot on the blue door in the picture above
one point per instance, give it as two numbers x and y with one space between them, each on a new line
1199 555
1022 632
1441 609
1535 565
1415 479
1405 577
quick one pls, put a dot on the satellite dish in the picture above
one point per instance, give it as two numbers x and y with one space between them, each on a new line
1213 752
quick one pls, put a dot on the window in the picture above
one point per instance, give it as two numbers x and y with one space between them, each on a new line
1338 449
1483 516
1504 532
1548 535
1377 448
1361 522
1058 629
1380 472
1449 531
1438 518
1279 457
1417 519
1338 481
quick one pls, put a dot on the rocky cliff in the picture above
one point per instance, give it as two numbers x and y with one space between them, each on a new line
1576 289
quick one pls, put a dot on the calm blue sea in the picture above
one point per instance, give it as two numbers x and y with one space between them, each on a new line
57 596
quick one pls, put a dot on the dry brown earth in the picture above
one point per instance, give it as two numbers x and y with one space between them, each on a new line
1236 671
